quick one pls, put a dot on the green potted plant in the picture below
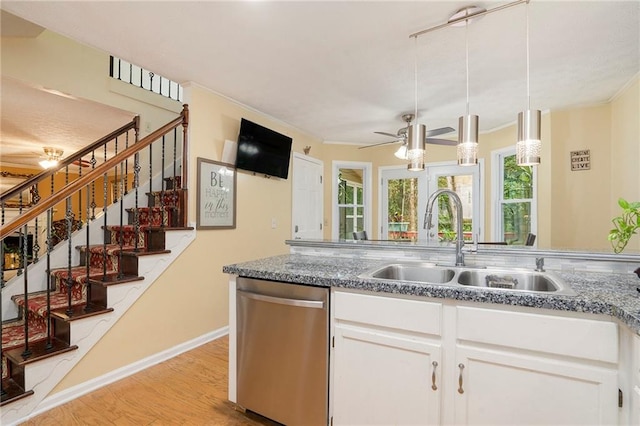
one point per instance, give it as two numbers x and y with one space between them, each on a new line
625 226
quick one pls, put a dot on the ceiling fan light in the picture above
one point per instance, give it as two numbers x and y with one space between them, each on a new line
402 152
529 145
47 164
467 148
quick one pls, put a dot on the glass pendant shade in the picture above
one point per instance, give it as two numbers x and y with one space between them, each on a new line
468 140
529 145
416 135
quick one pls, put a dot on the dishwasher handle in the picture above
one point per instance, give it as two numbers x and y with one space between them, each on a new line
315 304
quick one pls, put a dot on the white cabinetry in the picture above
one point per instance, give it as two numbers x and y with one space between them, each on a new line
387 358
635 382
495 365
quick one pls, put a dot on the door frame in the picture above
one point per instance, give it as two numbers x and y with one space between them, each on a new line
367 182
400 172
479 187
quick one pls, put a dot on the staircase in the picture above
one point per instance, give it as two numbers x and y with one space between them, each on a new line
111 262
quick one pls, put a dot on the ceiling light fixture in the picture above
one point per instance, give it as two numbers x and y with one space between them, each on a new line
529 145
467 149
53 157
416 133
401 153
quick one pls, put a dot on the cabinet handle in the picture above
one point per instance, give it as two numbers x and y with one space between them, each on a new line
461 367
433 376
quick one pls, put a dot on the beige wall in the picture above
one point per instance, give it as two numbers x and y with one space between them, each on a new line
190 298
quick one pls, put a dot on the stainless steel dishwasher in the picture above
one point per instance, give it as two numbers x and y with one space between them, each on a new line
283 351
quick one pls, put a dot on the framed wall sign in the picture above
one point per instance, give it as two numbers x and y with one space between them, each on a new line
216 197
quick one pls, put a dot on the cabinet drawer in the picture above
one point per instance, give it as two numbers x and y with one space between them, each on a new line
403 314
576 337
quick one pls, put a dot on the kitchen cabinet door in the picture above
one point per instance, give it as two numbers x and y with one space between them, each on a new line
509 388
385 378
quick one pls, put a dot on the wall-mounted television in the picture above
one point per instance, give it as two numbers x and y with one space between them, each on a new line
262 150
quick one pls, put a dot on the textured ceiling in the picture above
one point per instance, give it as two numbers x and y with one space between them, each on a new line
341 70
35 117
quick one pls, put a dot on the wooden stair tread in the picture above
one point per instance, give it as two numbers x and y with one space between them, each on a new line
39 351
144 252
79 312
112 278
13 392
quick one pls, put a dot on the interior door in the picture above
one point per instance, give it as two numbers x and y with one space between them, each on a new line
306 214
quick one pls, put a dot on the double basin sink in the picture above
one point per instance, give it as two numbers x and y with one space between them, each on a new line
501 279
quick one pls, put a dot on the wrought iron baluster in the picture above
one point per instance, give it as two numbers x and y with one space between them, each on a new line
69 221
105 179
107 232
115 177
80 195
27 352
2 257
87 307
21 262
49 241
162 187
121 239
151 75
126 165
136 183
35 250
93 187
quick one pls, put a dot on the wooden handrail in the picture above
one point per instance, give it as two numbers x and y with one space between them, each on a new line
94 174
133 124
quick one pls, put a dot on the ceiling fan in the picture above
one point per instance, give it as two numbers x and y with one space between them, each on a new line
51 158
401 135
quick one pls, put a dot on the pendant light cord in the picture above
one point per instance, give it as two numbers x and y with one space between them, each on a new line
466 44
415 78
527 30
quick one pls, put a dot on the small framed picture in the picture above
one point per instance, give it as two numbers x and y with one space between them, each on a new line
216 197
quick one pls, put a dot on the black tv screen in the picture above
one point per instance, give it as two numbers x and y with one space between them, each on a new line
263 150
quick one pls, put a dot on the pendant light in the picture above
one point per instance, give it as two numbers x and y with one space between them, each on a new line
529 145
467 148
416 133
401 153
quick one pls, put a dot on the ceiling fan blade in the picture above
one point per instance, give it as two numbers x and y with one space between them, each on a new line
387 134
378 144
436 141
440 131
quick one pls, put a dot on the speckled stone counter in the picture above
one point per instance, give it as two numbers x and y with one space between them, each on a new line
596 292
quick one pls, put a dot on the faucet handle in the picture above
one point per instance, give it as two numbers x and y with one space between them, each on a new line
540 264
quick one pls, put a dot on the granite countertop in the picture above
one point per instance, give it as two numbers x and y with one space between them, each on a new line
596 292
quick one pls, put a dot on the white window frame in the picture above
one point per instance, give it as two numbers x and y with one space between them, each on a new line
367 182
497 191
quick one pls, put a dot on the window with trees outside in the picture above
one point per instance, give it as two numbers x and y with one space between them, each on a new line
350 203
516 199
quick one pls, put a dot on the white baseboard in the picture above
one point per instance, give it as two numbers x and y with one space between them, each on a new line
74 392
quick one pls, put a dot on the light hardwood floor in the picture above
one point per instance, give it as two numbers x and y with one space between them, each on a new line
190 389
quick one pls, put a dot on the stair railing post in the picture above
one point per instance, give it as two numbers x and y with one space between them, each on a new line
184 173
121 239
162 187
136 213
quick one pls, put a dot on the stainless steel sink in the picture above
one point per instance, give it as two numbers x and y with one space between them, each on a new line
488 278
514 279
417 272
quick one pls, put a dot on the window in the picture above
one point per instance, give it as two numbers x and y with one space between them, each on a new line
352 195
145 79
515 194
